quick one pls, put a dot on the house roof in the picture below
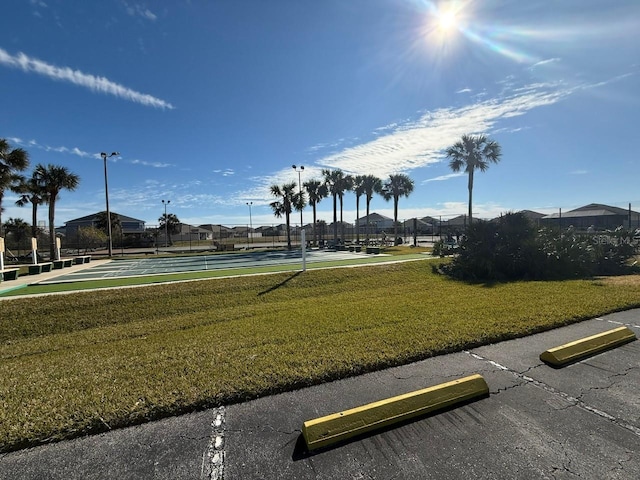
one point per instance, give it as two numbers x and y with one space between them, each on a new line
592 210
375 217
92 217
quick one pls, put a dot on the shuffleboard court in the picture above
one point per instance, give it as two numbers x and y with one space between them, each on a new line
121 268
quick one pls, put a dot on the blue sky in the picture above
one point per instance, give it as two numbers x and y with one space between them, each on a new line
210 103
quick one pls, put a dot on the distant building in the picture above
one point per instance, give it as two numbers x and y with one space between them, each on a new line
377 223
594 216
130 225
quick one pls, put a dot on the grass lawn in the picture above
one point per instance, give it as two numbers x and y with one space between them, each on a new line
90 361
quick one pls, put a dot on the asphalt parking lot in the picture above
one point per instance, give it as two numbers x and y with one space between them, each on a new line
580 421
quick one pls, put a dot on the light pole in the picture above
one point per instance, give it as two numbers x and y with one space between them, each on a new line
166 229
299 170
250 223
106 194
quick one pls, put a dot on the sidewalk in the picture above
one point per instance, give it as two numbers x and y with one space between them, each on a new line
581 421
24 280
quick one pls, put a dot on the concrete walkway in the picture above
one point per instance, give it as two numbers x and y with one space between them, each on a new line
581 421
24 280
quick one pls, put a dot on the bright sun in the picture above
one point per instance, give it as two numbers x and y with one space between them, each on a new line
447 21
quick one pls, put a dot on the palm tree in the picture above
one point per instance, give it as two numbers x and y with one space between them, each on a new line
470 153
336 184
30 192
358 189
316 191
370 184
53 179
287 193
398 185
12 161
344 185
169 223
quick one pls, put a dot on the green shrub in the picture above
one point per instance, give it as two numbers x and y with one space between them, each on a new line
512 249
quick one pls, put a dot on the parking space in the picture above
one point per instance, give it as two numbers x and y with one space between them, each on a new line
581 421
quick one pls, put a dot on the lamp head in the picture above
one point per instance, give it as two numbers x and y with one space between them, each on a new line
115 153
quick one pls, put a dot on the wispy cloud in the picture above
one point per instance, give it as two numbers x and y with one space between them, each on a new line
137 10
226 172
417 143
151 164
544 62
443 177
464 90
76 77
579 172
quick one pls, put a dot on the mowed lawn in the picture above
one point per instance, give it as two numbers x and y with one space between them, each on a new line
91 361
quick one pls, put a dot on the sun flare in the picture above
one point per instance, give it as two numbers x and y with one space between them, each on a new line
447 21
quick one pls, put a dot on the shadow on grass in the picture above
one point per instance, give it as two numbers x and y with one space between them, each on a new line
275 287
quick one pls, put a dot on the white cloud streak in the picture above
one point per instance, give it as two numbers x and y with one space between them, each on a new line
76 77
421 142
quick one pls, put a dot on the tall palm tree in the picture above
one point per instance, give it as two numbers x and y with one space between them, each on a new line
316 191
30 192
12 161
344 185
371 185
337 183
470 153
287 195
398 185
53 179
358 189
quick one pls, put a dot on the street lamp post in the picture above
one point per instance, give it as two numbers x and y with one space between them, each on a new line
250 232
166 229
106 194
299 170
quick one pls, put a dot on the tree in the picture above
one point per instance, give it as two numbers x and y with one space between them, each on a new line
286 194
336 184
470 153
316 191
18 229
358 189
102 224
91 237
344 185
30 192
53 179
169 223
370 185
398 185
12 161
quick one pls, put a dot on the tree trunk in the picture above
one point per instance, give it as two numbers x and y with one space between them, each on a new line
52 228
395 219
335 219
288 232
470 186
357 221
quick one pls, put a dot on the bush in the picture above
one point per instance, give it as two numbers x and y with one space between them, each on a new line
512 249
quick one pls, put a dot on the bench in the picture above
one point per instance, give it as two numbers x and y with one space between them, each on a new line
67 262
40 268
82 259
10 274
374 250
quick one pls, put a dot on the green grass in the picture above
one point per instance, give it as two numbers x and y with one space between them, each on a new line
86 362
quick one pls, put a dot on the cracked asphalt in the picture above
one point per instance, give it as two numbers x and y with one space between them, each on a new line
577 422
